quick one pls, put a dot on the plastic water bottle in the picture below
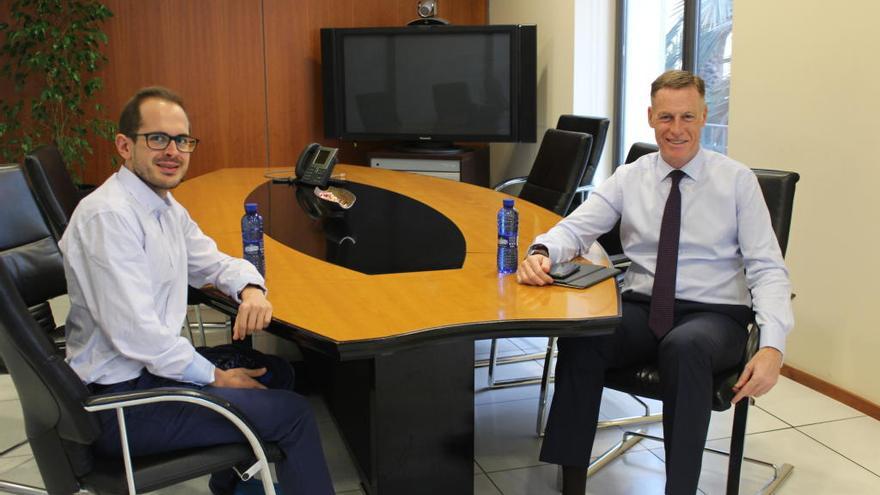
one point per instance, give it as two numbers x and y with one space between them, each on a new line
252 237
508 231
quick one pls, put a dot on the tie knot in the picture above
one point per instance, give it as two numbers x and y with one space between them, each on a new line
676 176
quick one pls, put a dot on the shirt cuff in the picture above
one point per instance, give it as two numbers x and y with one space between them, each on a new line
200 371
538 249
255 281
773 337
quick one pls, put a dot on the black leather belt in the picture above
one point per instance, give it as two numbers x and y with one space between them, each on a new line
100 388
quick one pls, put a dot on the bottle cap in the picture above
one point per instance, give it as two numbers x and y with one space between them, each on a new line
250 208
508 203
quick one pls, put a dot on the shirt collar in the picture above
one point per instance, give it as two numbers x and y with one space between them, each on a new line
692 169
142 192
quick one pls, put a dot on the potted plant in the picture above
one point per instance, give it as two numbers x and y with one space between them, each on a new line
49 58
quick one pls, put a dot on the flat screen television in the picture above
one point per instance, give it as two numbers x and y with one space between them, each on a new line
430 84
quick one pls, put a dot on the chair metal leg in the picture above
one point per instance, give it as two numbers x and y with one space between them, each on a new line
737 446
188 327
20 489
197 308
493 361
549 365
493 356
647 417
781 472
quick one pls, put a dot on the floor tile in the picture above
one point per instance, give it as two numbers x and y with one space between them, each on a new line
60 306
484 486
506 347
505 436
530 345
342 469
7 389
798 405
857 439
21 470
485 395
817 469
721 424
12 419
635 473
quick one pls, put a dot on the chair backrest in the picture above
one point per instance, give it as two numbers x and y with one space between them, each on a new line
610 240
28 249
594 126
558 170
638 150
778 188
53 186
57 426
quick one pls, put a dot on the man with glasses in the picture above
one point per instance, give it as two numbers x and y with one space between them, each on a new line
130 251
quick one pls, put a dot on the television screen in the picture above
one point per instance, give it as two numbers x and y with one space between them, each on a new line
437 83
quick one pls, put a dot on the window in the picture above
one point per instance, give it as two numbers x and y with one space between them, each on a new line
654 36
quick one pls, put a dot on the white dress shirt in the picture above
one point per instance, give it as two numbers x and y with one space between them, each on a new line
128 257
728 252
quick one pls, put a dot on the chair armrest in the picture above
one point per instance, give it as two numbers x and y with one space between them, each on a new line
585 189
120 400
509 182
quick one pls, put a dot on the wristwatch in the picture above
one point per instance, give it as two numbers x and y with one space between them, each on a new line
538 249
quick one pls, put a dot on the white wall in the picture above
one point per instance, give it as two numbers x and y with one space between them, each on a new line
571 33
805 97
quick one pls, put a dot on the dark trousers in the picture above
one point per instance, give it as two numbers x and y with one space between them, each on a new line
706 338
278 415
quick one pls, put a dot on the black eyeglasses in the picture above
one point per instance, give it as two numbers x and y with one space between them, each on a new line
158 141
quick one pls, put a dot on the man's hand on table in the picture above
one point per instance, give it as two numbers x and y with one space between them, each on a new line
254 313
533 270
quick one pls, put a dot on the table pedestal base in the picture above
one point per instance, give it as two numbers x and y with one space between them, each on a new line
407 417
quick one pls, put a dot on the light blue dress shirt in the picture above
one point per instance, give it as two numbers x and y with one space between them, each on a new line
728 252
128 257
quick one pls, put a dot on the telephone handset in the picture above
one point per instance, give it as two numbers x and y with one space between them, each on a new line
315 164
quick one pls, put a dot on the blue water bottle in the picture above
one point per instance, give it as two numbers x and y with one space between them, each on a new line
508 231
252 237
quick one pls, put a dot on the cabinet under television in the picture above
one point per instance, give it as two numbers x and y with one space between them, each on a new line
468 165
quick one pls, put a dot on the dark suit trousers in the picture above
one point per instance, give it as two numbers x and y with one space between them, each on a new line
706 338
278 415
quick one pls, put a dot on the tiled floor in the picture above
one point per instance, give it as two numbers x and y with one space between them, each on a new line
834 448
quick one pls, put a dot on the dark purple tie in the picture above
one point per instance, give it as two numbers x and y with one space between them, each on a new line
663 293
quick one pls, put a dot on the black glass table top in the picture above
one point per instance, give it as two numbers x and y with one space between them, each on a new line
383 232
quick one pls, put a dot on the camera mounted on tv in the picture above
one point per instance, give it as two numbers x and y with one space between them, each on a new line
427 10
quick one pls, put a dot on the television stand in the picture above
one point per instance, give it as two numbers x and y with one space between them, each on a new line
469 165
428 147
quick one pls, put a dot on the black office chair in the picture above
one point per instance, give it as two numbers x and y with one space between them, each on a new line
778 188
58 196
60 423
53 186
560 167
596 127
557 171
29 251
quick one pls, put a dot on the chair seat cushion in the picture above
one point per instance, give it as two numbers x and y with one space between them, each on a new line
644 381
160 470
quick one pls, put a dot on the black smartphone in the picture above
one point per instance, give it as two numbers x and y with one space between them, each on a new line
564 269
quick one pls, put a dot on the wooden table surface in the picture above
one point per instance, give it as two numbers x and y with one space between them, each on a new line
343 306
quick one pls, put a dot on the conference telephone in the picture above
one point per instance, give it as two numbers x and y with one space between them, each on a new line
315 164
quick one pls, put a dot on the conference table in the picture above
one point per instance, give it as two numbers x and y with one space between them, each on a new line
386 299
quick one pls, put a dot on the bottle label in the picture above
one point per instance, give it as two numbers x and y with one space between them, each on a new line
251 249
504 241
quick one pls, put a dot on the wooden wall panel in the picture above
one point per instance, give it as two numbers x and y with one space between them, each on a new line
248 70
211 53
